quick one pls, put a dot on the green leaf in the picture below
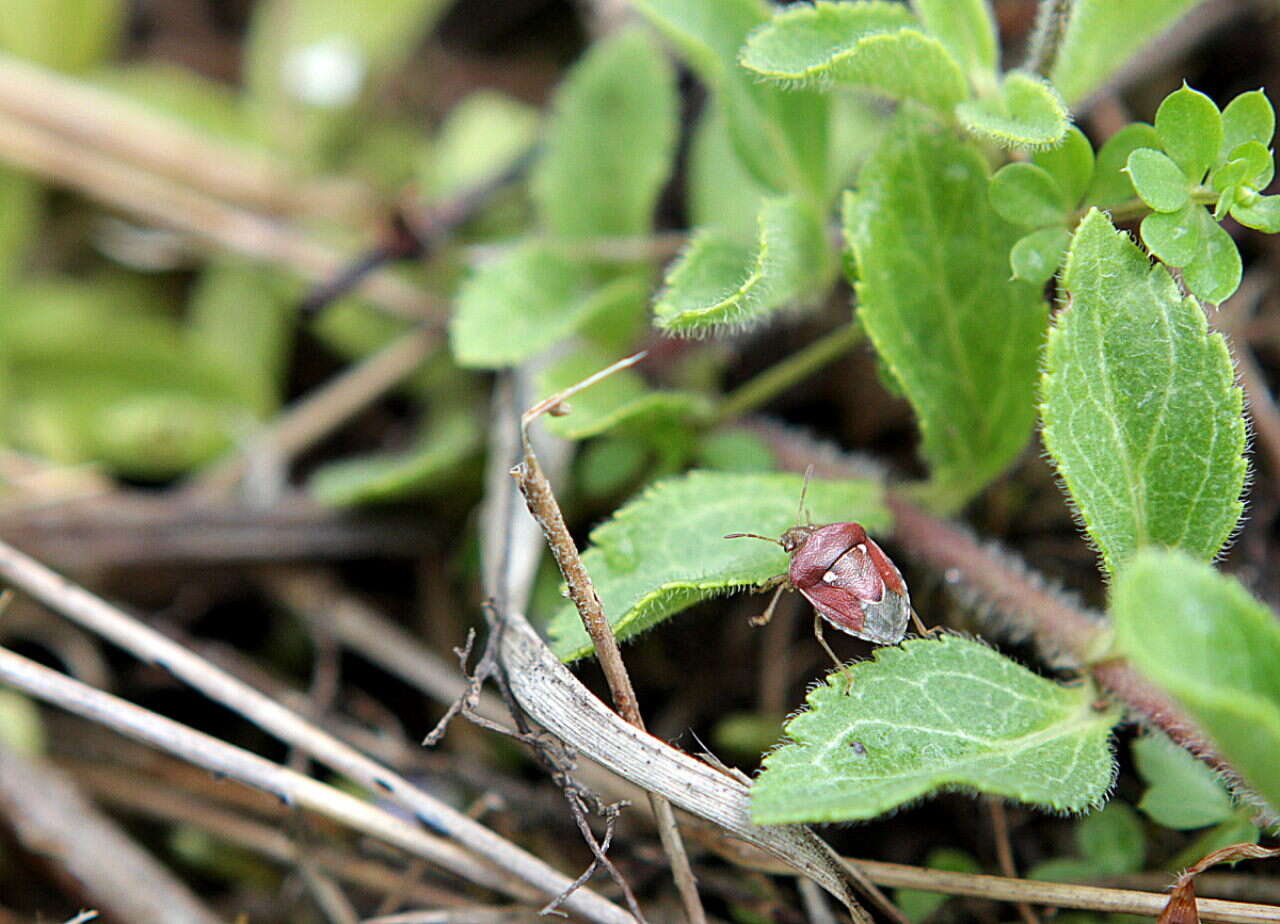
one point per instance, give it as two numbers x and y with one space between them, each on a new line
873 45
962 339
1235 830
1174 237
1258 166
918 905
1181 791
1111 183
609 142
1200 636
736 450
966 29
621 400
929 715
180 93
480 138
67 35
1026 113
1036 257
444 444
665 550
21 205
1248 117
781 136
1070 164
1110 842
1160 182
1215 273
722 193
1102 35
1141 412
1263 214
526 301
718 282
1027 196
1190 130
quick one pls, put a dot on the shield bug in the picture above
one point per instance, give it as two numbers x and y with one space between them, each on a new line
848 578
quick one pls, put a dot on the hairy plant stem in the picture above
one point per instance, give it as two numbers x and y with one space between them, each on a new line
791 371
1052 17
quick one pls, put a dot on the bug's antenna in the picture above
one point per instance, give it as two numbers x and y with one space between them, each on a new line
752 536
808 474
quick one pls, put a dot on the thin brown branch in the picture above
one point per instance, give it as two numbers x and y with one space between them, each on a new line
1004 851
149 645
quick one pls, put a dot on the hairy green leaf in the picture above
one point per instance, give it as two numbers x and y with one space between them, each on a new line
1026 113
665 550
718 282
1141 412
68 35
1111 183
1036 257
875 45
1181 791
530 299
609 142
962 339
1159 182
1070 164
1102 35
1028 196
1190 130
935 714
1200 636
966 29
1248 117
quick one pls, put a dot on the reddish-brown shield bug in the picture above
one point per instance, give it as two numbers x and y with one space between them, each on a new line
850 581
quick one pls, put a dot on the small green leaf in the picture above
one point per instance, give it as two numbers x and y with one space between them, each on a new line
1174 237
1201 637
480 138
918 905
1140 407
966 29
444 444
736 450
1101 35
1110 843
68 35
665 550
1028 196
1070 164
1181 791
1248 117
1111 183
1259 165
962 339
1262 214
1235 830
935 714
609 142
1215 273
526 301
1026 113
1190 130
721 192
1160 183
1036 257
874 45
718 282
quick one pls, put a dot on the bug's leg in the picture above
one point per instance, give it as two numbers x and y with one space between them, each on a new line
925 631
768 613
817 631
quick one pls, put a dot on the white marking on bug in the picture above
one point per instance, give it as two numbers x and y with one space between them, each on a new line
829 577
861 547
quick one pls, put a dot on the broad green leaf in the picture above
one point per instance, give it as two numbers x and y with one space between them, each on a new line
1110 843
607 466
1248 117
67 35
1174 237
929 715
1027 196
1025 113
665 550
1036 257
1111 183
874 45
609 142
1215 273
1263 214
444 444
21 204
1141 412
718 282
781 136
722 193
1200 636
482 136
623 400
966 29
736 450
1181 791
185 95
962 339
1159 182
1190 130
1102 35
1070 164
918 906
530 299
1235 830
